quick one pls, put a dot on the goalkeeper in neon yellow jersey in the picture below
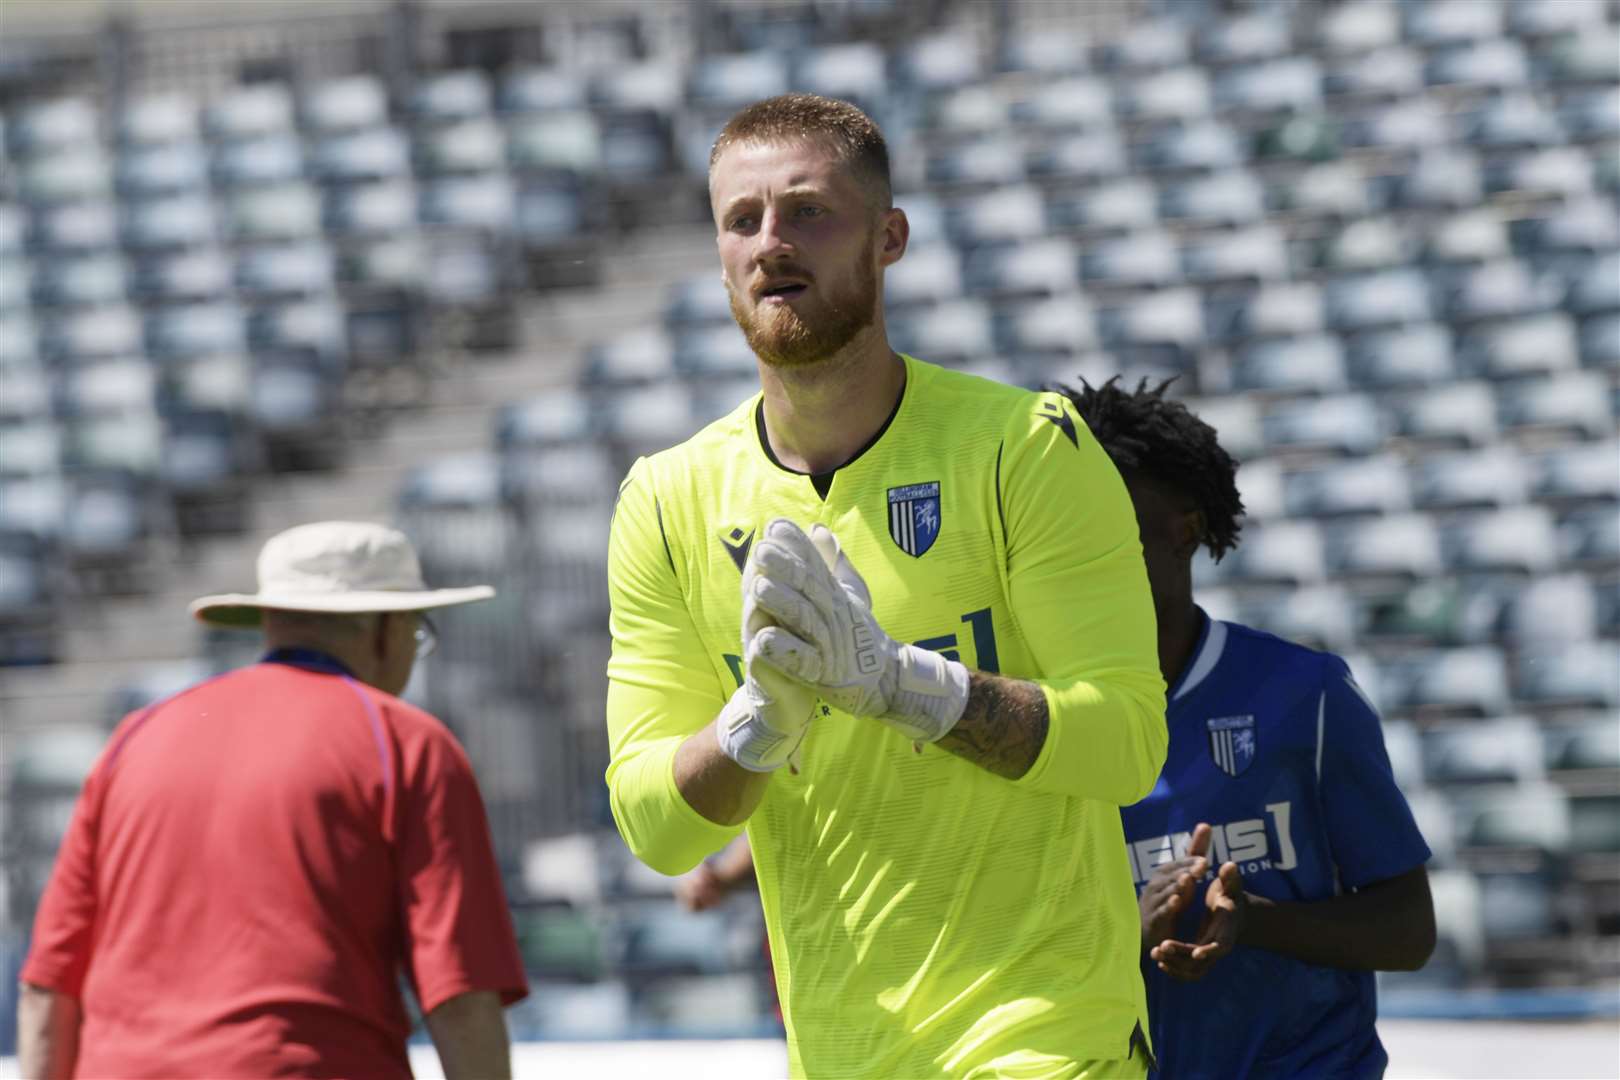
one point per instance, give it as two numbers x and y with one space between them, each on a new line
895 621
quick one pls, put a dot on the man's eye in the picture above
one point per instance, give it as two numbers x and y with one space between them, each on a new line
742 223
809 211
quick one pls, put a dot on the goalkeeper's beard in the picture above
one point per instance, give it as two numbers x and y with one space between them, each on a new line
782 338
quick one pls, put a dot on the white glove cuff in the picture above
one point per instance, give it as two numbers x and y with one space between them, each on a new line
747 740
931 693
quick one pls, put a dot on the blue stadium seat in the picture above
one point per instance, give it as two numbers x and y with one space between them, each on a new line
1494 476
1388 71
76 174
1278 553
483 201
1414 355
1032 329
1173 94
553 418
1468 681
1309 364
1138 258
1440 179
1292 84
1337 189
1125 204
163 169
950 333
539 89
1459 413
1561 170
975 109
1255 254
1233 197
157 120
1518 539
1558 607
1243 39
1412 123
1512 122
939 60
715 350
1381 298
1352 424
929 272
1499 289
354 103
451 96
1207 144
1537 18
1590 114
1468 237
1585 56
1356 28
108 388
84 281
133 443
1404 746
51 126
1595 285
1280 308
473 146
1583 744
1579 472
1506 749
276 158
178 221
33 447
1574 401
1026 268
248 112
855 72
385 208
1368 244
1368 485
1585 674
557 139
1152 43
78 227
1043 50
1488 62
1403 546
112 330
1087 155
1012 213
991 159
1446 22
642 357
360 156
189 330
288 211
1170 318
202 273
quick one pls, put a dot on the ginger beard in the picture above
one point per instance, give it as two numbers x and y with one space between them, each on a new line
783 338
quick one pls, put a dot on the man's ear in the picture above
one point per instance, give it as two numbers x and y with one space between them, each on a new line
1189 533
895 229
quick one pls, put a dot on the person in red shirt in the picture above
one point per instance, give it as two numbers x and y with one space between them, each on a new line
254 862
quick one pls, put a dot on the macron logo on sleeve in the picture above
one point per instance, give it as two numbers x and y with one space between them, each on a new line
1052 411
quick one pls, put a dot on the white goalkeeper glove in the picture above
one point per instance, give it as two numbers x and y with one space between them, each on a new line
825 635
763 725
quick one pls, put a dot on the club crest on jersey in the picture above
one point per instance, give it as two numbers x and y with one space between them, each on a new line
914 517
1231 743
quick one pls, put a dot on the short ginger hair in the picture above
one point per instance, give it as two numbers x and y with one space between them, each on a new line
838 124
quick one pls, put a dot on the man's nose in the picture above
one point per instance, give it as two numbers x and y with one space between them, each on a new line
770 243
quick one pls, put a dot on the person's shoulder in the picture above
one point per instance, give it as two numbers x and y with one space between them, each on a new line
957 387
1280 654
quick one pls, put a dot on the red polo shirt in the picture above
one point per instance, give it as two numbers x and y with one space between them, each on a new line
252 864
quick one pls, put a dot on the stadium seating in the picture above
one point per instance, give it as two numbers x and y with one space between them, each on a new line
1378 246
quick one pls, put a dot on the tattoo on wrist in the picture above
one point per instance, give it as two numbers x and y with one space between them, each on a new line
1003 727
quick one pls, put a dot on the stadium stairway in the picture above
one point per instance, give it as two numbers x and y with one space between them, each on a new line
110 642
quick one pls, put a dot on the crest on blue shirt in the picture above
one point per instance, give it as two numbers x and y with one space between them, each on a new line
1232 743
914 517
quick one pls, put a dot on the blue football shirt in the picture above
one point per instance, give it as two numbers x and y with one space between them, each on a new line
1275 746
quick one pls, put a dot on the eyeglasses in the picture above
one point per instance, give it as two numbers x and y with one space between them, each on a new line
427 637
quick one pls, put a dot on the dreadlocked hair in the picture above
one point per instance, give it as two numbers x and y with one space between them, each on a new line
1146 433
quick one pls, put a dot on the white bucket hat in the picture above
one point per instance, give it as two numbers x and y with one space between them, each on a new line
343 567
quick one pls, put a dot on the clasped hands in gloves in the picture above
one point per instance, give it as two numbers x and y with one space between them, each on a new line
809 635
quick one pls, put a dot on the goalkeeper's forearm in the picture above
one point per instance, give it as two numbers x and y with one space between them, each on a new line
713 784
1003 727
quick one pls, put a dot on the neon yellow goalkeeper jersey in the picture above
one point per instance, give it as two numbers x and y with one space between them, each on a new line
926 917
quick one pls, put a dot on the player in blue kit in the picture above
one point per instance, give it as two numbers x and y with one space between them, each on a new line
1277 863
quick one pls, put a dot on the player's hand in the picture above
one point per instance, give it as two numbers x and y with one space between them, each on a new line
702 889
764 724
1228 905
826 636
1170 890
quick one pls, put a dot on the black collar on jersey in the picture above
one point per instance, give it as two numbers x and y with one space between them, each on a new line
822 481
309 659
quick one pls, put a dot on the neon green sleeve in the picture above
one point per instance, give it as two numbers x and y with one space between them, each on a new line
1079 591
661 689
